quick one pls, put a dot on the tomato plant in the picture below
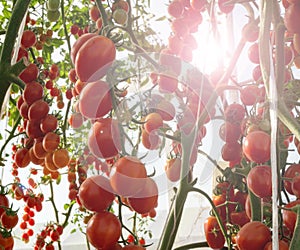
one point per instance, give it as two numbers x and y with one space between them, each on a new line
110 114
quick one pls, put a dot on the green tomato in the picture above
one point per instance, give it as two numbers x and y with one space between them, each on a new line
53 16
120 16
53 5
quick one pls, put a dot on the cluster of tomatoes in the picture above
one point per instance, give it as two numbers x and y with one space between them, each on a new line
52 232
53 12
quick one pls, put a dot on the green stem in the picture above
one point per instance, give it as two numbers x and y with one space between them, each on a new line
18 13
170 230
67 37
51 198
255 203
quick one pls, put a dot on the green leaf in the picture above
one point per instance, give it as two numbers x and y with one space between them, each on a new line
73 230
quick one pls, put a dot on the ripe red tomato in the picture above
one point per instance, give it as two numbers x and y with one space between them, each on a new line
175 9
91 189
150 141
94 13
77 45
172 169
95 100
104 138
145 200
250 95
167 84
75 120
49 123
256 146
213 234
92 63
289 174
180 27
153 121
239 218
129 176
234 113
253 53
33 129
38 110
289 217
30 73
9 220
198 4
28 39
292 18
232 151
51 141
230 132
4 202
103 230
6 242
259 181
253 235
22 158
225 7
296 186
134 247
32 92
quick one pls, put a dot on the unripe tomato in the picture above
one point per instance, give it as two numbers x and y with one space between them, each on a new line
53 5
53 15
120 16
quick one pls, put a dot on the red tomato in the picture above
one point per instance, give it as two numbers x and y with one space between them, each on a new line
198 4
259 181
150 141
95 100
38 110
22 158
239 218
94 58
133 247
289 217
6 242
91 189
49 124
3 203
51 141
175 9
250 95
172 169
28 39
77 45
167 84
234 113
129 176
253 235
32 92
225 7
256 146
153 121
253 53
296 186
145 200
232 151
94 13
33 129
104 138
230 132
292 18
213 234
103 230
29 74
289 174
9 220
